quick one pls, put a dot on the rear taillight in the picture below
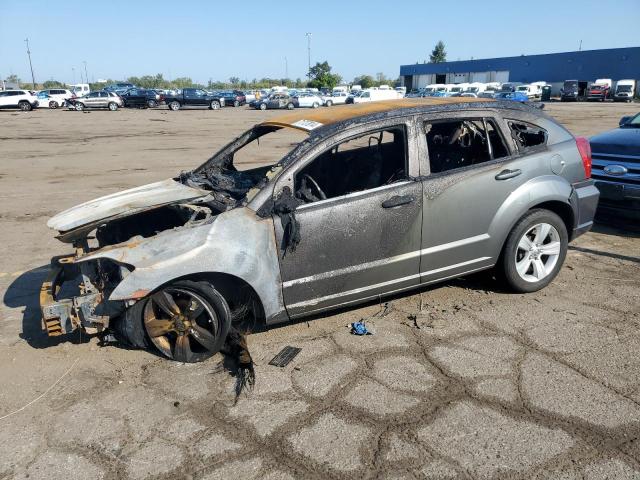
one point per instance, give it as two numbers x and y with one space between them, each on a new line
585 153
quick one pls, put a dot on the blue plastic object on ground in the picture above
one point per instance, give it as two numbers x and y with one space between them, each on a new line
359 328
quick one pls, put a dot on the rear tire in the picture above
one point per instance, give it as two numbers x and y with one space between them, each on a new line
53 104
534 251
236 103
174 106
263 106
79 107
315 105
329 103
25 106
290 106
152 104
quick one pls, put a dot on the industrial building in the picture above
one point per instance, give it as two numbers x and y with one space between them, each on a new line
554 68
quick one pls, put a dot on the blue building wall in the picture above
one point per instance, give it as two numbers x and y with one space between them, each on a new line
614 63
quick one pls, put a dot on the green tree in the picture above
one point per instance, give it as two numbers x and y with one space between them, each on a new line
321 76
234 81
13 79
365 81
438 55
52 84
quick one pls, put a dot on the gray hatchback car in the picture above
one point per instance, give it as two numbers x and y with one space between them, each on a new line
321 209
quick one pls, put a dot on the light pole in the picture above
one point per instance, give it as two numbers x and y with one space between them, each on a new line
308 34
33 80
86 75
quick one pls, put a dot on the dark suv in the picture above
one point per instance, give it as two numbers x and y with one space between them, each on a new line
141 98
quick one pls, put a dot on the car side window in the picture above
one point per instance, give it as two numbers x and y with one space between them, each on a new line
461 143
526 135
364 162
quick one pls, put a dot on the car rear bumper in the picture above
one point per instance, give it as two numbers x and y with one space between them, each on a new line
584 200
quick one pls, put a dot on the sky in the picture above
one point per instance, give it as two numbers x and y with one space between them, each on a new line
217 40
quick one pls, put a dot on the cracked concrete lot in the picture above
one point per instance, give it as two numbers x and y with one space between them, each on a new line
484 384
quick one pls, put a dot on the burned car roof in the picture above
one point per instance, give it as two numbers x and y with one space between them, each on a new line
310 120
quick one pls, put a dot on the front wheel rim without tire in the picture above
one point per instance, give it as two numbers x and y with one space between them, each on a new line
537 252
181 324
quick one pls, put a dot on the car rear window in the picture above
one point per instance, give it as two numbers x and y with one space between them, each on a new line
526 135
460 143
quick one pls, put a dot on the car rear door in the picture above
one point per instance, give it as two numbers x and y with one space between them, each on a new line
360 244
467 185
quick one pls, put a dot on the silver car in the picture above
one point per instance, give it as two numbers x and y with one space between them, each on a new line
99 99
370 200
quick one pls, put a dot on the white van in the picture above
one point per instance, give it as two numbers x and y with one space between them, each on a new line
457 88
532 91
80 89
370 95
340 89
625 90
475 88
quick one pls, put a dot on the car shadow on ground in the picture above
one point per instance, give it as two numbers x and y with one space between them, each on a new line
24 292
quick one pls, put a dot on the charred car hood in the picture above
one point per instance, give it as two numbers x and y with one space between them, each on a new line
127 202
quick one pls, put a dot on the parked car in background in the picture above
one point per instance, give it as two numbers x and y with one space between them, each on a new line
625 90
166 260
194 97
22 99
235 98
275 101
616 168
99 99
600 90
80 89
336 98
573 90
54 97
308 100
514 96
372 95
142 98
531 91
119 87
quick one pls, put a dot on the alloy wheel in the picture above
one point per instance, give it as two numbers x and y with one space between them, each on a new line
181 324
537 252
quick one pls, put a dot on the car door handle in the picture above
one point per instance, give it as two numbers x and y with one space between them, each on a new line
507 174
398 200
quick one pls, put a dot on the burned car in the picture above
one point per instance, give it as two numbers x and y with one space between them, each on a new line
368 200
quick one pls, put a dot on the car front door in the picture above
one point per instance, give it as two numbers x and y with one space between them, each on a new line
363 240
473 169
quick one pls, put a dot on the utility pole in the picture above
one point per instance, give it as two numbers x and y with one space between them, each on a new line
308 34
86 75
33 79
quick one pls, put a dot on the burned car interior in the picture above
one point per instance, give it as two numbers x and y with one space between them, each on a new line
456 144
526 135
361 163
